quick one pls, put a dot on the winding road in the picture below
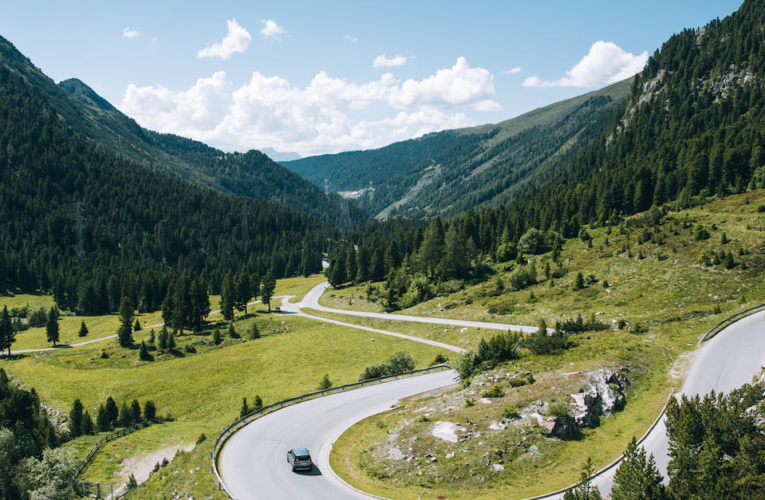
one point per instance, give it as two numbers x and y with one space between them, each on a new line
253 461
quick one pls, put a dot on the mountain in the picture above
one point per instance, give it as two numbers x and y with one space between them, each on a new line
79 218
693 127
279 155
251 174
450 172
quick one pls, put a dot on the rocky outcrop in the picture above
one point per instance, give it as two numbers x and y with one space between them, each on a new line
559 427
604 396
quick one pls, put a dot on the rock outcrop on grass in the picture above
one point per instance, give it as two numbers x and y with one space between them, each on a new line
604 396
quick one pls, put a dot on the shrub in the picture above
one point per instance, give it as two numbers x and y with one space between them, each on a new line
494 391
518 382
533 242
639 328
325 383
399 363
511 414
558 410
440 359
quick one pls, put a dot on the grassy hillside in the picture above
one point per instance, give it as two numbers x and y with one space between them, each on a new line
252 174
452 171
202 390
667 283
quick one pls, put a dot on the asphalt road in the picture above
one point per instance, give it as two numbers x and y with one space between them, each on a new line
311 301
253 463
729 360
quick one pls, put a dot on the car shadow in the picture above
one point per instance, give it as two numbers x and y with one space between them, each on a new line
313 472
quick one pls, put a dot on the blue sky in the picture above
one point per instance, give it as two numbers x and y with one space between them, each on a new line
305 82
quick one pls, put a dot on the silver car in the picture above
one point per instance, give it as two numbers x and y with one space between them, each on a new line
300 459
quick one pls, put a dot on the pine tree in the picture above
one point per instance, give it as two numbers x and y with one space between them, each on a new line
216 337
143 353
152 337
86 428
267 288
199 308
336 272
112 412
637 476
232 331
363 261
325 383
51 327
579 283
243 291
125 418
257 403
137 326
135 411
125 332
254 331
454 263
245 408
75 419
102 419
431 250
351 265
7 335
149 411
83 330
163 338
227 297
171 341
584 490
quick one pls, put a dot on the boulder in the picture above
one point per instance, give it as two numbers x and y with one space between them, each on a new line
558 427
604 396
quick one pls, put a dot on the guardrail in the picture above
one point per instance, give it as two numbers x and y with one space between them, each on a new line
722 324
109 437
256 414
708 335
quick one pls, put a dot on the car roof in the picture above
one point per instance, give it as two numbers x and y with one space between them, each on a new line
301 451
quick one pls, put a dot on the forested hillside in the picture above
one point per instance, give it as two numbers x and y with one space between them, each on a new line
78 218
251 174
693 127
691 130
447 173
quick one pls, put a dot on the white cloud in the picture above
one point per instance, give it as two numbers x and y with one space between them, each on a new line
130 33
271 29
237 40
383 61
351 39
605 63
324 116
512 71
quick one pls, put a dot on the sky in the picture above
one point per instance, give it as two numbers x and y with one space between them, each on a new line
316 77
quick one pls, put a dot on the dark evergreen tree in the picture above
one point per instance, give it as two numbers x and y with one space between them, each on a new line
75 419
83 332
7 334
149 411
228 297
87 428
267 288
52 328
125 332
637 476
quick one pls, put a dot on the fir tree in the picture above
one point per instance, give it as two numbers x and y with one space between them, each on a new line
245 408
257 403
125 332
143 353
579 283
102 419
83 330
227 297
86 428
51 327
216 338
112 412
584 490
125 418
149 411
267 288
75 419
243 291
137 326
135 411
254 331
637 476
232 331
325 383
7 335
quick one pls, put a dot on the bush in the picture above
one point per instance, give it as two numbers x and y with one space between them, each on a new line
494 391
440 359
399 363
523 277
511 414
533 242
639 328
518 382
558 410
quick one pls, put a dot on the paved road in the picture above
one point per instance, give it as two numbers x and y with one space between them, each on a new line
253 462
727 361
311 301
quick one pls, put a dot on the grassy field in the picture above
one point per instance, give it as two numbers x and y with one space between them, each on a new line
202 391
657 284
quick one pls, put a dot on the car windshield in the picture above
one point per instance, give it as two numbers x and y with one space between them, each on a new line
302 457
